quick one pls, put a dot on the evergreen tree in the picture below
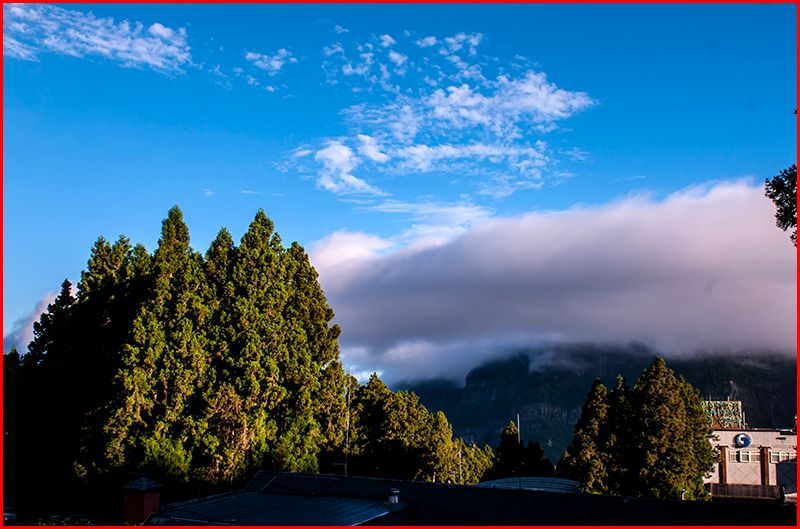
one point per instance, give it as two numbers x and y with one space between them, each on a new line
199 369
257 347
509 455
474 463
586 459
649 441
670 435
782 190
218 457
619 438
322 376
534 462
164 363
393 435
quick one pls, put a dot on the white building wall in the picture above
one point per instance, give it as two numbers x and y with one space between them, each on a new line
743 465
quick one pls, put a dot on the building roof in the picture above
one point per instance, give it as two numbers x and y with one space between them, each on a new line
254 508
533 483
143 484
277 498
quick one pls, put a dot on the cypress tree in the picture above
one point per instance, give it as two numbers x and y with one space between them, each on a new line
670 436
586 459
509 455
650 441
218 458
318 381
256 348
473 462
164 363
619 439
199 369
534 462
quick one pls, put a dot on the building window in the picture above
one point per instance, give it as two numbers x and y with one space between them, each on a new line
776 456
745 456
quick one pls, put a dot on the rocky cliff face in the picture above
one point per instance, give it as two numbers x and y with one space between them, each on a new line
548 387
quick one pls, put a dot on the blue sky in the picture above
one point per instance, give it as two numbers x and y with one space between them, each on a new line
386 128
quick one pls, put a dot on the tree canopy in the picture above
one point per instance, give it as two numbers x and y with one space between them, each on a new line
513 458
782 190
197 369
650 441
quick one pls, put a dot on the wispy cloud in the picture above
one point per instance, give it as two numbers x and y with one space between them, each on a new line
387 40
426 42
338 162
271 63
459 41
14 48
443 112
431 223
21 333
32 29
370 149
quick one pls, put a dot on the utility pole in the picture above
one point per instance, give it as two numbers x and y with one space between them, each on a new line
347 431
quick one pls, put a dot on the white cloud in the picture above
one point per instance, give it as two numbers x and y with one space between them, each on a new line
272 64
432 223
161 31
387 40
332 49
397 58
342 248
425 158
370 149
339 29
457 42
637 270
530 102
21 333
14 48
32 29
426 42
338 162
445 115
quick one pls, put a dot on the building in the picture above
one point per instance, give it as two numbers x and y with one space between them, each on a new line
283 498
755 463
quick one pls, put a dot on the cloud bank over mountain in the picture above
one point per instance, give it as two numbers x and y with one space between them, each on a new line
705 268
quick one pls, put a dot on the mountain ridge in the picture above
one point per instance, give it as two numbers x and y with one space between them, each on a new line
548 386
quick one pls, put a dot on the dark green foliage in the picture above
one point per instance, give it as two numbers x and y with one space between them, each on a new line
670 438
782 190
649 441
508 460
393 435
196 370
586 457
474 462
513 458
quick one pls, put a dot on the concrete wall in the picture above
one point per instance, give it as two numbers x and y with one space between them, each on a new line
752 465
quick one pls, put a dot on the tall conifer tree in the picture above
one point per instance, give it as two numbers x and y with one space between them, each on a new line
586 459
